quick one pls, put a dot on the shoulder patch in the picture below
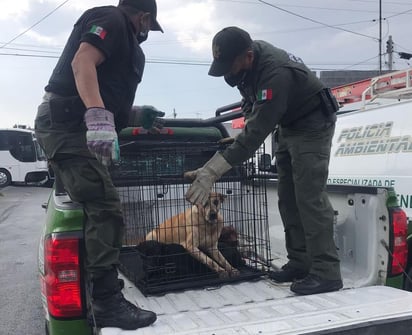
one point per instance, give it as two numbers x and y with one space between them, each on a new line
99 31
265 94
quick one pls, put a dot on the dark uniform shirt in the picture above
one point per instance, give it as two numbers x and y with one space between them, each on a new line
278 90
108 29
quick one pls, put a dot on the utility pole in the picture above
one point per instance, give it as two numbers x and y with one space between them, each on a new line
380 36
389 51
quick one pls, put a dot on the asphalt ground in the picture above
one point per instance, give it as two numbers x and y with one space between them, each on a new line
21 220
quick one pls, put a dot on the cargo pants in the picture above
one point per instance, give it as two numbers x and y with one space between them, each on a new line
86 181
302 160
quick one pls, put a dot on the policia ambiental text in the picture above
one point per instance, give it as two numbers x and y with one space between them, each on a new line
372 139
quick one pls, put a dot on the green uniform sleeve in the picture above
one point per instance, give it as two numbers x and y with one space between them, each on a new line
246 108
265 114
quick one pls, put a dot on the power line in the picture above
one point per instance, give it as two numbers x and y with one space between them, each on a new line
406 11
168 42
35 24
316 7
27 55
386 2
360 63
315 28
32 50
403 48
153 61
35 45
315 21
179 62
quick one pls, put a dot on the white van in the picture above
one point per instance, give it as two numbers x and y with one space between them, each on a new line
21 158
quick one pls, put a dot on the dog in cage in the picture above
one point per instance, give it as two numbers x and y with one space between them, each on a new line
238 247
198 230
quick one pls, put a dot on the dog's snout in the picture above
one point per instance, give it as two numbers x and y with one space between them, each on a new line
212 216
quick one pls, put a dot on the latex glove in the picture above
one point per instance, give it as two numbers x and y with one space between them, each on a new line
148 117
101 135
205 177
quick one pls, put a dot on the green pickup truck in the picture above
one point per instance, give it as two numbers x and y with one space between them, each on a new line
370 234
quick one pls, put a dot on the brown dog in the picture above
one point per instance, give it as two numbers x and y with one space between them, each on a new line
198 228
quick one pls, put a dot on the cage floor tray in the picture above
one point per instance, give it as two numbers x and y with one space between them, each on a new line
172 268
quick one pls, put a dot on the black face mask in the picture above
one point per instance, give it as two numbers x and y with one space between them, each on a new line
235 79
144 31
142 36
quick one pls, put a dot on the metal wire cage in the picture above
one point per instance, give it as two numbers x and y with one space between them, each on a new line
152 190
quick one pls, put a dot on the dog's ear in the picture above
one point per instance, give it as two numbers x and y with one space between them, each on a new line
222 197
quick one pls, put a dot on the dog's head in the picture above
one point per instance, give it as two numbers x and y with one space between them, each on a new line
229 236
212 206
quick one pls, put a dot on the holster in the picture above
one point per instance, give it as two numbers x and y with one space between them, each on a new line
329 103
63 109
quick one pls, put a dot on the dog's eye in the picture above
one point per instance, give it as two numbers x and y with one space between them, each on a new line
215 202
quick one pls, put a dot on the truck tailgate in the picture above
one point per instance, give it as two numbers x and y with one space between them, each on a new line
263 307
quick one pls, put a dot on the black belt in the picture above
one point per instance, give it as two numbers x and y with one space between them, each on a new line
65 108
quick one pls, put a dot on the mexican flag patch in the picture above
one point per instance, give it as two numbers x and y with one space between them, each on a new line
99 31
265 94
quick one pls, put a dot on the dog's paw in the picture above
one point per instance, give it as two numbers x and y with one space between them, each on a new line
223 274
234 273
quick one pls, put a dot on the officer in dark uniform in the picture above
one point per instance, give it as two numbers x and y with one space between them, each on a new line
88 100
279 91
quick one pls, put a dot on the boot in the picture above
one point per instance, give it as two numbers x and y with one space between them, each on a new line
287 274
313 284
116 311
111 309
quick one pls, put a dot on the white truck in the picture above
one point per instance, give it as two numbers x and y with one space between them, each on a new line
370 234
372 145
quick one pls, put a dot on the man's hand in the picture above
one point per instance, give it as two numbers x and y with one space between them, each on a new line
205 177
148 117
101 135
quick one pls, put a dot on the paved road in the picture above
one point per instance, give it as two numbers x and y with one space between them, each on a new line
21 218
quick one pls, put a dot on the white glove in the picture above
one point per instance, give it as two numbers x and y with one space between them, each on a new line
101 135
206 176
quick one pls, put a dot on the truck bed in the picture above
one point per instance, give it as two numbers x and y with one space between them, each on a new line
264 307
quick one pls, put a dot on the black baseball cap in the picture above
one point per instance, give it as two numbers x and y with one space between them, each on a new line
227 44
148 6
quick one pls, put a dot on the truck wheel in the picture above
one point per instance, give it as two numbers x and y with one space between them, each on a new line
5 178
48 183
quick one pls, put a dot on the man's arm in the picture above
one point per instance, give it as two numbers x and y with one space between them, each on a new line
101 134
84 64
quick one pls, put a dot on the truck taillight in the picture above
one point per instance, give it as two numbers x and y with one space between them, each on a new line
61 281
399 245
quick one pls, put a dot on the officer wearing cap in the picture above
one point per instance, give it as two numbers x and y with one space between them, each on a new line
88 99
280 92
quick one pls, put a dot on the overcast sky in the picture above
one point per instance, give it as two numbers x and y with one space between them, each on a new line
327 35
